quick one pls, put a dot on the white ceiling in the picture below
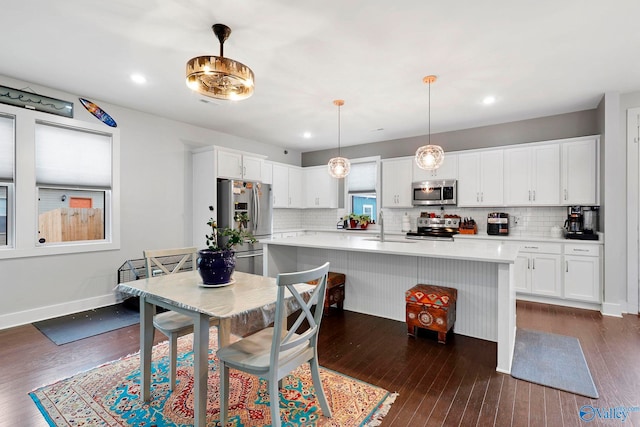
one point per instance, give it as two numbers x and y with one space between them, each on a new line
537 58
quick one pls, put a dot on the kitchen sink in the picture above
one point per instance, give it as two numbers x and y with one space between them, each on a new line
391 239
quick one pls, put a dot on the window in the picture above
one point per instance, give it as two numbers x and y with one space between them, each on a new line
7 161
362 182
73 178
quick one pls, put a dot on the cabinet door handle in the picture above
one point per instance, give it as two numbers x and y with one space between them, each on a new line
565 194
567 266
477 197
534 195
244 170
580 250
531 247
529 195
482 196
533 263
528 264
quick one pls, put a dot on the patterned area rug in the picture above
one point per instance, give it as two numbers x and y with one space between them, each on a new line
108 395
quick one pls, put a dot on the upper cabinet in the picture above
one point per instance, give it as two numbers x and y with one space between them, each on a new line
237 165
532 175
397 175
579 171
480 178
287 186
320 188
448 169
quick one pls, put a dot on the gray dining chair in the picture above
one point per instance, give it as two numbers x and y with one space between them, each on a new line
171 323
274 352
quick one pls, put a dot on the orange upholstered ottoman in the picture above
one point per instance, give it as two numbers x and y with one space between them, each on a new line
334 293
431 307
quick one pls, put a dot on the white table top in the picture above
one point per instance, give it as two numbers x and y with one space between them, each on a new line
470 250
249 293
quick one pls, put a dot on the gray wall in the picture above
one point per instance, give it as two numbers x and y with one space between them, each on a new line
568 125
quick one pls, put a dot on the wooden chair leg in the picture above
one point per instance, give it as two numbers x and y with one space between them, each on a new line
317 385
173 360
274 407
224 394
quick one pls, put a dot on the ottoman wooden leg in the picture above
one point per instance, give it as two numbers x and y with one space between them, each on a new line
442 337
411 331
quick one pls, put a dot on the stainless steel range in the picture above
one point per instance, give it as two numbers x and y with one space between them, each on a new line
436 228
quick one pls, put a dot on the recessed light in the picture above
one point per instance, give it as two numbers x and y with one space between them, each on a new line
138 78
307 135
488 100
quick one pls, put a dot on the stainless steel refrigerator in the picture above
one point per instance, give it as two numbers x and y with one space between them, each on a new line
253 199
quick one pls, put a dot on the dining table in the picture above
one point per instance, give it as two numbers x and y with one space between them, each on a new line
248 299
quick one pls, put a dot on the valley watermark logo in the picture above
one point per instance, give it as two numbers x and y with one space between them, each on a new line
589 413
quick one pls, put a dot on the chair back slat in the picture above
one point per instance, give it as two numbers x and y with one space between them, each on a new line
286 281
153 261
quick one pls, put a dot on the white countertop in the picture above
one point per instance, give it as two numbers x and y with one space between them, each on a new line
513 237
465 249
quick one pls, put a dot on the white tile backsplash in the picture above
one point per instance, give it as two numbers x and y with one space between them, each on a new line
526 221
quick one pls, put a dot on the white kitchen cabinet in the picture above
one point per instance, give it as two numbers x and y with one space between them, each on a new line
397 176
538 270
287 186
582 272
267 172
480 178
532 175
320 188
448 170
237 165
579 172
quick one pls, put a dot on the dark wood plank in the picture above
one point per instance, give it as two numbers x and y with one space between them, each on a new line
451 384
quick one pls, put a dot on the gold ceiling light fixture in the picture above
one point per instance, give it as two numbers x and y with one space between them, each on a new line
219 77
429 157
339 167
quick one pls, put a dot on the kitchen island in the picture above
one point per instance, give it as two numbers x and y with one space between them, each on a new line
379 273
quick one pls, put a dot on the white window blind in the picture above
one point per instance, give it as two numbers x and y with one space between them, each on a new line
362 177
6 148
72 157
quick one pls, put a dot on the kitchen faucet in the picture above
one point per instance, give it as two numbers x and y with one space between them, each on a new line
381 224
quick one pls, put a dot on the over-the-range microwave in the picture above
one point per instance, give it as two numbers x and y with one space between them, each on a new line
437 192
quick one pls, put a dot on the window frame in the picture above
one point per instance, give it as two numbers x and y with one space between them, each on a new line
347 195
25 191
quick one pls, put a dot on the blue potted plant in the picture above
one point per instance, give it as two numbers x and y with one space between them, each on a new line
218 261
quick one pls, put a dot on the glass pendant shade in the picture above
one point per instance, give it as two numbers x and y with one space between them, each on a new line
219 77
339 167
429 157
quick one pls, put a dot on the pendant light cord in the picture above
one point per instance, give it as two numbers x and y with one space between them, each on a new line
339 130
429 114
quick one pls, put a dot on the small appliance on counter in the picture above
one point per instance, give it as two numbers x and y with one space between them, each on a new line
498 224
432 227
582 223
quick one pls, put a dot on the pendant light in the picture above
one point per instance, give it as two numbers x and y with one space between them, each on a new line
219 77
339 167
429 157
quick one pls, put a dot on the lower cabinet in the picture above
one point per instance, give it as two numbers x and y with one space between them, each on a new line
564 272
582 273
538 270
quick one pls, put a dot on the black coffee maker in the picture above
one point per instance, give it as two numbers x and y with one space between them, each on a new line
574 222
575 226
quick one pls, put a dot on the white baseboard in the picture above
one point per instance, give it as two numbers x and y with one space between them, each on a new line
611 309
561 302
41 313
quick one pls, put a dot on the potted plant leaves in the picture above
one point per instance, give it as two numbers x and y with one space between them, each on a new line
217 262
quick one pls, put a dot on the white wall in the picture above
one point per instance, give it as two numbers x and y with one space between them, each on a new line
629 101
155 213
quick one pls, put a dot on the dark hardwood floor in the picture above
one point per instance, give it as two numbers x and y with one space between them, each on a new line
453 384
